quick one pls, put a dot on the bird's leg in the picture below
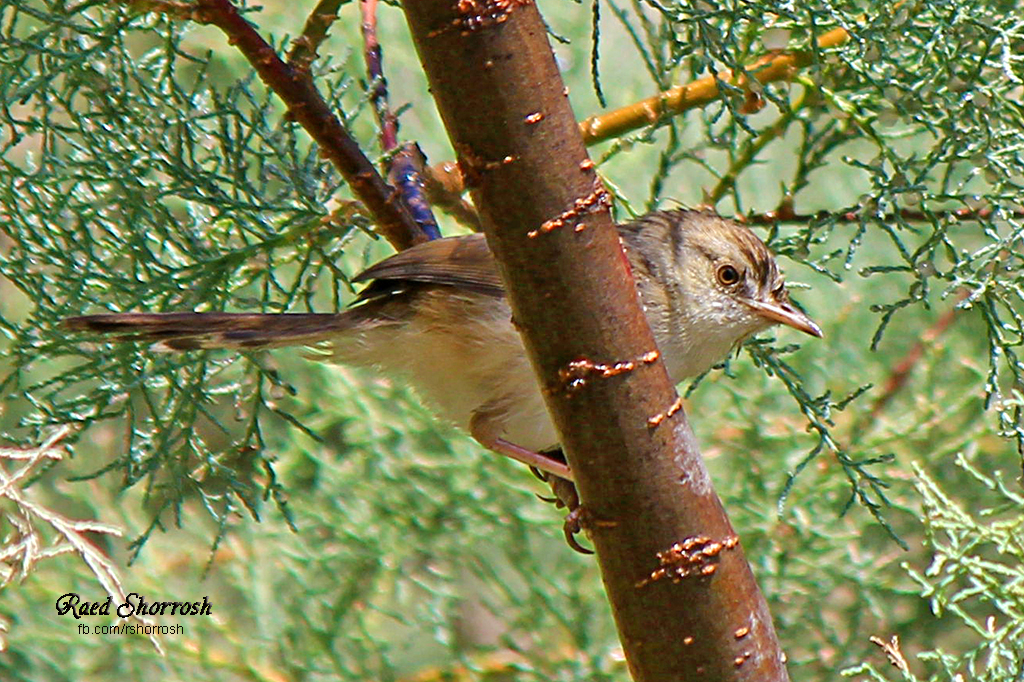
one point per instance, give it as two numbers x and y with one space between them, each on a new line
565 497
549 467
485 426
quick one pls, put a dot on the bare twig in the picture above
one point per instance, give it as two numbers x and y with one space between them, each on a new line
375 70
892 651
304 48
786 214
777 66
173 8
405 165
901 371
25 547
311 111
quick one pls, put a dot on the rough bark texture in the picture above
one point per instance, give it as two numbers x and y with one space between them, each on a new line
684 598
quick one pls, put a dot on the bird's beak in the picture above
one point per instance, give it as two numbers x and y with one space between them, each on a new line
785 313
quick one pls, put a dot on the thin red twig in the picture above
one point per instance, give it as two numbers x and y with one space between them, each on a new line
404 165
900 372
375 70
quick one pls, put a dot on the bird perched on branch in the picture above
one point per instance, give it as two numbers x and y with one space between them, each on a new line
436 316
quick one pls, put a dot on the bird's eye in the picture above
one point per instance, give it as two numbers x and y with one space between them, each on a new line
728 275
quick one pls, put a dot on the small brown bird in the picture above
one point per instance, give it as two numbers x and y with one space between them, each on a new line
436 316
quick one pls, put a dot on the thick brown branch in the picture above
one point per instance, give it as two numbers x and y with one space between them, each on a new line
682 592
307 107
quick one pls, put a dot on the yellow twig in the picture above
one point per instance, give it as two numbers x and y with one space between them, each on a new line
768 69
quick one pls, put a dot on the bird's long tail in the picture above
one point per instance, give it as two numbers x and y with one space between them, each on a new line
184 331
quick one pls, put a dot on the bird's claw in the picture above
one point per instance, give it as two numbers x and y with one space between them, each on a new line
565 497
573 525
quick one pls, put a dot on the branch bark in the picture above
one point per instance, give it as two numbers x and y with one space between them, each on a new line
684 597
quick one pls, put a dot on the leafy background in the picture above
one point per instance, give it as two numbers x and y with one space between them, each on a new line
144 167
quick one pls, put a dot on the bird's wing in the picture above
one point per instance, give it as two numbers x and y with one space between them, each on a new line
463 262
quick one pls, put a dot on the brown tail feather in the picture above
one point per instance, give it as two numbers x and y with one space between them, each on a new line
184 331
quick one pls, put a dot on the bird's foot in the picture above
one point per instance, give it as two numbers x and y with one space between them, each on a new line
567 497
